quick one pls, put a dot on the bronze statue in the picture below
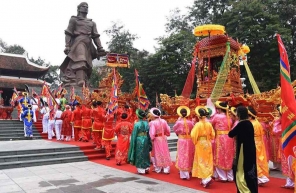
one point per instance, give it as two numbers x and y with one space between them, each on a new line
77 66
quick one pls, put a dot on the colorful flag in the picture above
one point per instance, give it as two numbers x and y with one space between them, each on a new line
14 97
142 97
288 105
44 91
113 103
72 94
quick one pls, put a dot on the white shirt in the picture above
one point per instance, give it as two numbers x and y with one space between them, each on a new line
32 102
44 110
58 115
58 101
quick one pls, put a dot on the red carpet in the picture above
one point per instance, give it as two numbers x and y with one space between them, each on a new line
274 186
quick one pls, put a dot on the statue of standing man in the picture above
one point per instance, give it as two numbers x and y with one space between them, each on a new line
77 66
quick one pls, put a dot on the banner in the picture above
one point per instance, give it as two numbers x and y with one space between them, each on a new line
117 60
142 97
288 105
113 103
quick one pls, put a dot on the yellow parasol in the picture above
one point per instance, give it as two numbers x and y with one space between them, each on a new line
244 49
208 30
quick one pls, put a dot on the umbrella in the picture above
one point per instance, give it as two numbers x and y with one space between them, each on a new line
208 30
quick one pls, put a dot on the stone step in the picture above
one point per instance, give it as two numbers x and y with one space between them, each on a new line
40 162
18 138
14 132
17 134
8 123
11 126
40 156
35 151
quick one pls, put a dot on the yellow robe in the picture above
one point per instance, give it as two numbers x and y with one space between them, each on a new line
261 157
201 135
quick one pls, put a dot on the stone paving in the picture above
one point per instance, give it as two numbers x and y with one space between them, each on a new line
30 145
82 177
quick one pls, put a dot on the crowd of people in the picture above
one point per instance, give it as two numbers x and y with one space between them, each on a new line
231 145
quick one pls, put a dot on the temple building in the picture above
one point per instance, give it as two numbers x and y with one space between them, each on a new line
16 71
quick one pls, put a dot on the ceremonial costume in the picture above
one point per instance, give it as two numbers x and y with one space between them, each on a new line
123 131
58 124
185 147
244 164
24 101
63 102
201 135
34 103
76 121
159 130
224 146
262 162
98 115
86 123
275 144
28 118
108 136
45 116
66 126
140 144
51 124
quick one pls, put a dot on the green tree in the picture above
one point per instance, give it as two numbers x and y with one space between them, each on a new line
52 75
95 77
254 23
166 70
122 41
207 11
287 12
15 49
12 49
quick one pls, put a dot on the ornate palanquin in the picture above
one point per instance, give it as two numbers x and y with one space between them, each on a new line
211 50
210 53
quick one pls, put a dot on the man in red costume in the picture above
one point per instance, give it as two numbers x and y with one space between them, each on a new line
86 123
76 120
108 136
98 115
123 131
66 127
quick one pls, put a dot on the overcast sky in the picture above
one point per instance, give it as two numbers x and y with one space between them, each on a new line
38 25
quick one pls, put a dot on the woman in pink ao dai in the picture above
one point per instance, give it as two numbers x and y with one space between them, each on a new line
185 151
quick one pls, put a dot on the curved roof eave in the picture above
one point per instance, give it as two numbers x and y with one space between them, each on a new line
28 61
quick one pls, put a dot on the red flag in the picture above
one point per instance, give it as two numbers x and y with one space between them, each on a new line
142 97
288 106
190 80
44 91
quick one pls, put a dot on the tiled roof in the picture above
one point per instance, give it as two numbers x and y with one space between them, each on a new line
18 62
218 39
19 83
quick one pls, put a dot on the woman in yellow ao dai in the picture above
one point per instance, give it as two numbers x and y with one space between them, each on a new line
202 134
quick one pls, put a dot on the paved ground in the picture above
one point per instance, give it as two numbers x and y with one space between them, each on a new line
30 145
82 177
79 177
